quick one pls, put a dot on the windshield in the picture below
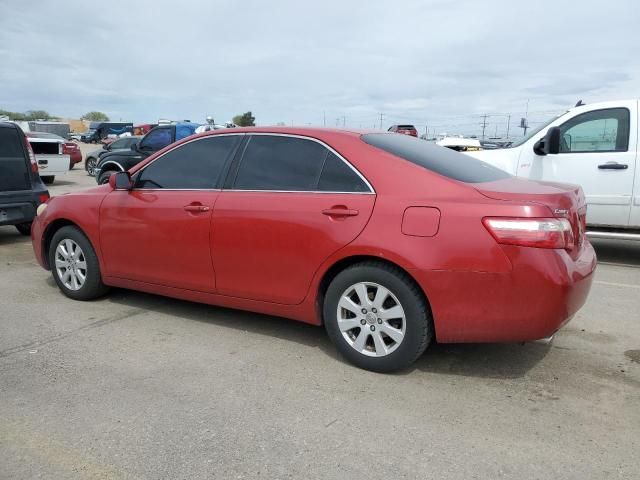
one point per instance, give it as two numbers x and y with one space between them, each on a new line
533 132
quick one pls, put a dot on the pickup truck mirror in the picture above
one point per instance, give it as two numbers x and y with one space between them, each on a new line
121 181
550 144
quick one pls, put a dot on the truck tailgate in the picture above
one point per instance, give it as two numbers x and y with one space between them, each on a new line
52 164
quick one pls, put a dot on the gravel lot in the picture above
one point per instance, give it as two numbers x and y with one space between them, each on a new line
140 386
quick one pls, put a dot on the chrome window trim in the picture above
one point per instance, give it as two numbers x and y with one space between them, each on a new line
328 147
362 177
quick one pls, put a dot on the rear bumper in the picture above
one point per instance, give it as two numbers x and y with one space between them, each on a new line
541 294
15 213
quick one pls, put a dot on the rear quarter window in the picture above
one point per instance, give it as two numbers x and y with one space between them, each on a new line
440 160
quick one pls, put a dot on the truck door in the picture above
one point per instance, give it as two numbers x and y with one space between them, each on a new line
598 151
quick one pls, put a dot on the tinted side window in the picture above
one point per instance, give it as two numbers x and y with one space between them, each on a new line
440 160
196 164
280 163
156 139
337 176
596 131
120 143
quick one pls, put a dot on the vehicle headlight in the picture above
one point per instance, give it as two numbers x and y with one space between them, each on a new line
41 208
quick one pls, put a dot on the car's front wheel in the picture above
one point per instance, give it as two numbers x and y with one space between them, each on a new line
377 317
75 265
104 177
90 166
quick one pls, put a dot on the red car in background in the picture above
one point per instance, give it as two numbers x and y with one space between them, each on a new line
73 150
404 129
387 240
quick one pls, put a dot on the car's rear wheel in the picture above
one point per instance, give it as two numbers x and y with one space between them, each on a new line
48 179
377 317
24 228
90 166
75 265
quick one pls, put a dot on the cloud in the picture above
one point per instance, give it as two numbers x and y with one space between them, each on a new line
424 62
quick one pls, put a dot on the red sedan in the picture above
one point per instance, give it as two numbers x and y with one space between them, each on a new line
73 150
387 240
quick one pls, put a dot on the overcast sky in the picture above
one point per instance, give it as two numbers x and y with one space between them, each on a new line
422 62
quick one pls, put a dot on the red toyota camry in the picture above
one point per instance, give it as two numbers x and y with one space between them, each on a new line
386 240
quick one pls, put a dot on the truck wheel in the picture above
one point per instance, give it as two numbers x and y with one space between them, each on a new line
48 179
104 177
74 265
377 317
24 228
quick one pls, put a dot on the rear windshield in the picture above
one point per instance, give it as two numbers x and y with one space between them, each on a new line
441 160
14 174
407 127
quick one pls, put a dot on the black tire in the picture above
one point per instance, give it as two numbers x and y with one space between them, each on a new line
104 177
24 228
93 286
90 166
48 179
418 322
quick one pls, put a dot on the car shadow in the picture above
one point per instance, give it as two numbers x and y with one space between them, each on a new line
471 360
9 236
624 252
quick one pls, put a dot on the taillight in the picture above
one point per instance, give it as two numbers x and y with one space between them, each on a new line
68 147
531 232
43 197
32 156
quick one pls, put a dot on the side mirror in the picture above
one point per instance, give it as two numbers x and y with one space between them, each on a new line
550 144
121 181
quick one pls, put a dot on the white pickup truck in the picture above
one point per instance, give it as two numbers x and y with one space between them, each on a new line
49 151
595 146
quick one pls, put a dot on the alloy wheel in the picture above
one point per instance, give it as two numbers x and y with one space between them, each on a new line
71 264
371 319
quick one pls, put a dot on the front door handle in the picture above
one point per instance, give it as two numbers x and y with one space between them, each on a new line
194 207
613 166
340 212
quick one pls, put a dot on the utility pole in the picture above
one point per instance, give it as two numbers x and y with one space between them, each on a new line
324 118
426 132
484 124
344 121
381 115
508 124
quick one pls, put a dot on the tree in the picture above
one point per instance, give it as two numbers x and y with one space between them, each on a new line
245 120
27 116
95 117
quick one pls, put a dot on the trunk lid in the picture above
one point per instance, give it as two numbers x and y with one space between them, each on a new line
563 200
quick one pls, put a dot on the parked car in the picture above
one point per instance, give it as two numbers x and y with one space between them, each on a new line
50 154
308 224
157 139
99 130
21 189
124 143
404 129
595 146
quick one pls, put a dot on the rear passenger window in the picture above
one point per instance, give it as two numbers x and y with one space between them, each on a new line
337 176
194 165
273 162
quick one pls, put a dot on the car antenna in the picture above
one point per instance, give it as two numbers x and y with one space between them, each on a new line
580 103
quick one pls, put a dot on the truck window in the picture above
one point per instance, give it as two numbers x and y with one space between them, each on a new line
596 131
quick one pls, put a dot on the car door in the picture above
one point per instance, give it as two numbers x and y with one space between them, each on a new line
288 204
598 152
158 232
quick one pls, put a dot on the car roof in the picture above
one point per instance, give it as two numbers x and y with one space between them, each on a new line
301 131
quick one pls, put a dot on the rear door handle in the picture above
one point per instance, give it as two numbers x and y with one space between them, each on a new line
613 166
340 212
196 208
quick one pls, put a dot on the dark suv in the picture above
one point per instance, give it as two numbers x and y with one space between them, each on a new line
21 190
158 138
